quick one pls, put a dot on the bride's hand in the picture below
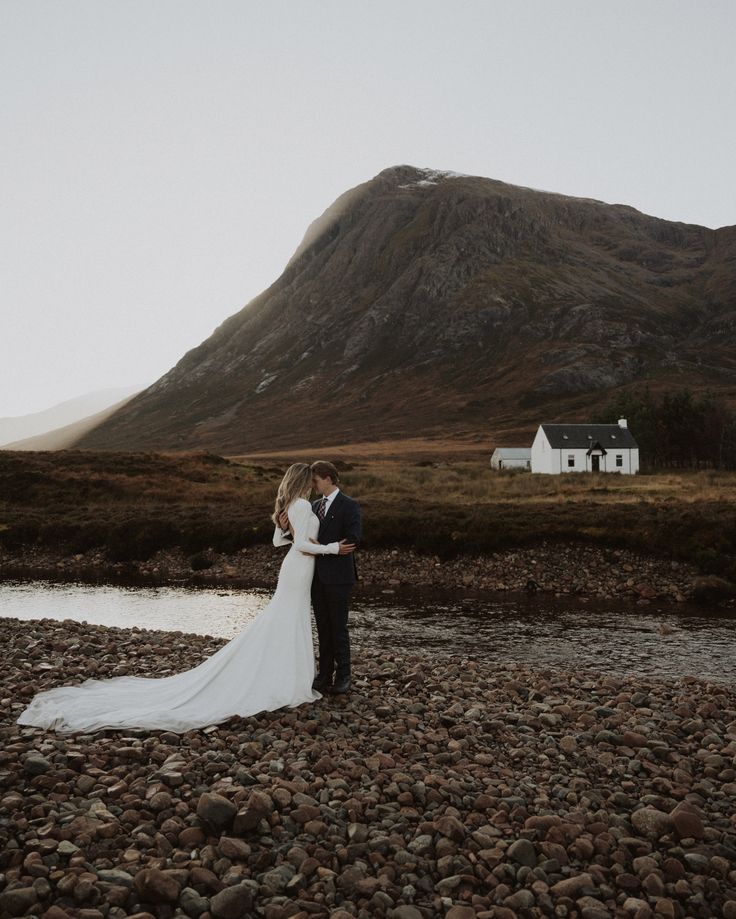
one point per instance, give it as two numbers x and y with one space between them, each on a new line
311 554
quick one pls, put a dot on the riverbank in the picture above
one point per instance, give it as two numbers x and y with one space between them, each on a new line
560 569
436 788
143 510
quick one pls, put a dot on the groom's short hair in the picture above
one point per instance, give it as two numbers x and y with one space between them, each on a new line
325 470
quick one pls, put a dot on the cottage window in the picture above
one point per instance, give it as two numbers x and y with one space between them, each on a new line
571 459
619 459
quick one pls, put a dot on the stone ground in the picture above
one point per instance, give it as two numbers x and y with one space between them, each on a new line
450 789
560 569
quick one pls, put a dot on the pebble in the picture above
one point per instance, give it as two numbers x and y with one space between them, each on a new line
216 811
651 822
523 853
458 800
232 902
561 568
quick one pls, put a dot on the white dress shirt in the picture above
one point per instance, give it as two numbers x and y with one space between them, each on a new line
330 499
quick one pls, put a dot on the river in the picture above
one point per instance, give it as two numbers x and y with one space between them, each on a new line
613 636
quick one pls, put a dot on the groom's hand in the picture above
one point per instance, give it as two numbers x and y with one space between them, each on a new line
284 520
346 547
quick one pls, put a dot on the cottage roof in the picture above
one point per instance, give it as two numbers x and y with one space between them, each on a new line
513 452
577 436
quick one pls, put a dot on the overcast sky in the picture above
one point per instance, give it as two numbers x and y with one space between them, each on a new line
160 160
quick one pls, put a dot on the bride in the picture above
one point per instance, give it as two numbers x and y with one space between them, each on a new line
270 664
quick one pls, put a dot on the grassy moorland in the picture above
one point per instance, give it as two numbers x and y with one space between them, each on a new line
133 504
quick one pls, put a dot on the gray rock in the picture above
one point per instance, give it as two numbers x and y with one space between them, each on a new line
115 876
522 852
35 764
232 902
193 903
277 879
67 847
357 832
651 822
421 845
696 861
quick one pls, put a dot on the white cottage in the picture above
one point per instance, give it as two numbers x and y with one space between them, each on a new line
585 448
511 458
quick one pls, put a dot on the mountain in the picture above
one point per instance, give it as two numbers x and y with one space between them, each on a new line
427 303
64 413
65 437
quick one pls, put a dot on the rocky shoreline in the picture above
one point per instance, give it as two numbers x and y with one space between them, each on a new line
436 788
560 569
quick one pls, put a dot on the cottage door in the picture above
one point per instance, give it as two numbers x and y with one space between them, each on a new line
596 461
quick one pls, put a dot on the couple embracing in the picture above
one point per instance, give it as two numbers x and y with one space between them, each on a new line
270 663
338 533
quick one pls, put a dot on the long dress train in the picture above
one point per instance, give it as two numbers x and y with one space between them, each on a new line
269 665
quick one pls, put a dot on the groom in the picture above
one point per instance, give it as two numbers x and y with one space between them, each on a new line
334 577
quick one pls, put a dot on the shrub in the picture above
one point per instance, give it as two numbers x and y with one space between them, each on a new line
200 562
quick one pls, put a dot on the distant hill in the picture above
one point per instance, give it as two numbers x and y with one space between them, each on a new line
62 414
425 303
67 435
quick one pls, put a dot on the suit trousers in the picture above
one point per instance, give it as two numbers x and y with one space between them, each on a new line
330 602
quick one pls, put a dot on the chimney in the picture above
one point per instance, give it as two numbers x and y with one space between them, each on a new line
622 423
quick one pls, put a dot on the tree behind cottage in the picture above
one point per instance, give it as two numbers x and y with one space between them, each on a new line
678 429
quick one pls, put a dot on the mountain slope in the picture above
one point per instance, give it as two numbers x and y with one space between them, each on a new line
427 303
68 435
65 413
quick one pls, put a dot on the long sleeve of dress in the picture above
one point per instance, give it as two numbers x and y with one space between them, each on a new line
279 539
299 513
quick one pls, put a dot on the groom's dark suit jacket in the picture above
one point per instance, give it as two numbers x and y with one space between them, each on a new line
343 521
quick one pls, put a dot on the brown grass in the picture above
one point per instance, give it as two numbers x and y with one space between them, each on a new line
133 504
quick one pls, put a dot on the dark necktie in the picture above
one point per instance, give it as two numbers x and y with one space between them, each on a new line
322 508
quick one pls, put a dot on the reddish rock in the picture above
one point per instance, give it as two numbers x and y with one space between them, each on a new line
259 807
687 822
216 811
191 837
569 887
451 827
155 886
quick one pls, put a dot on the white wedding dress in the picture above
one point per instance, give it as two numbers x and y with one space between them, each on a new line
270 664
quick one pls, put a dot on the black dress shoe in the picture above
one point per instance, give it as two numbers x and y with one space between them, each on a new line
341 686
321 683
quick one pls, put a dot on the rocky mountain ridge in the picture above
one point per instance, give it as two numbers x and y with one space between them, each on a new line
427 303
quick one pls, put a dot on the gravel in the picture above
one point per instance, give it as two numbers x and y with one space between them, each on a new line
460 799
561 569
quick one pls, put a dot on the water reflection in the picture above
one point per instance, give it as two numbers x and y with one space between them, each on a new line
614 636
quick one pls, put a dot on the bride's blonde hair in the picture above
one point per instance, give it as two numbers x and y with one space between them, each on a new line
296 483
